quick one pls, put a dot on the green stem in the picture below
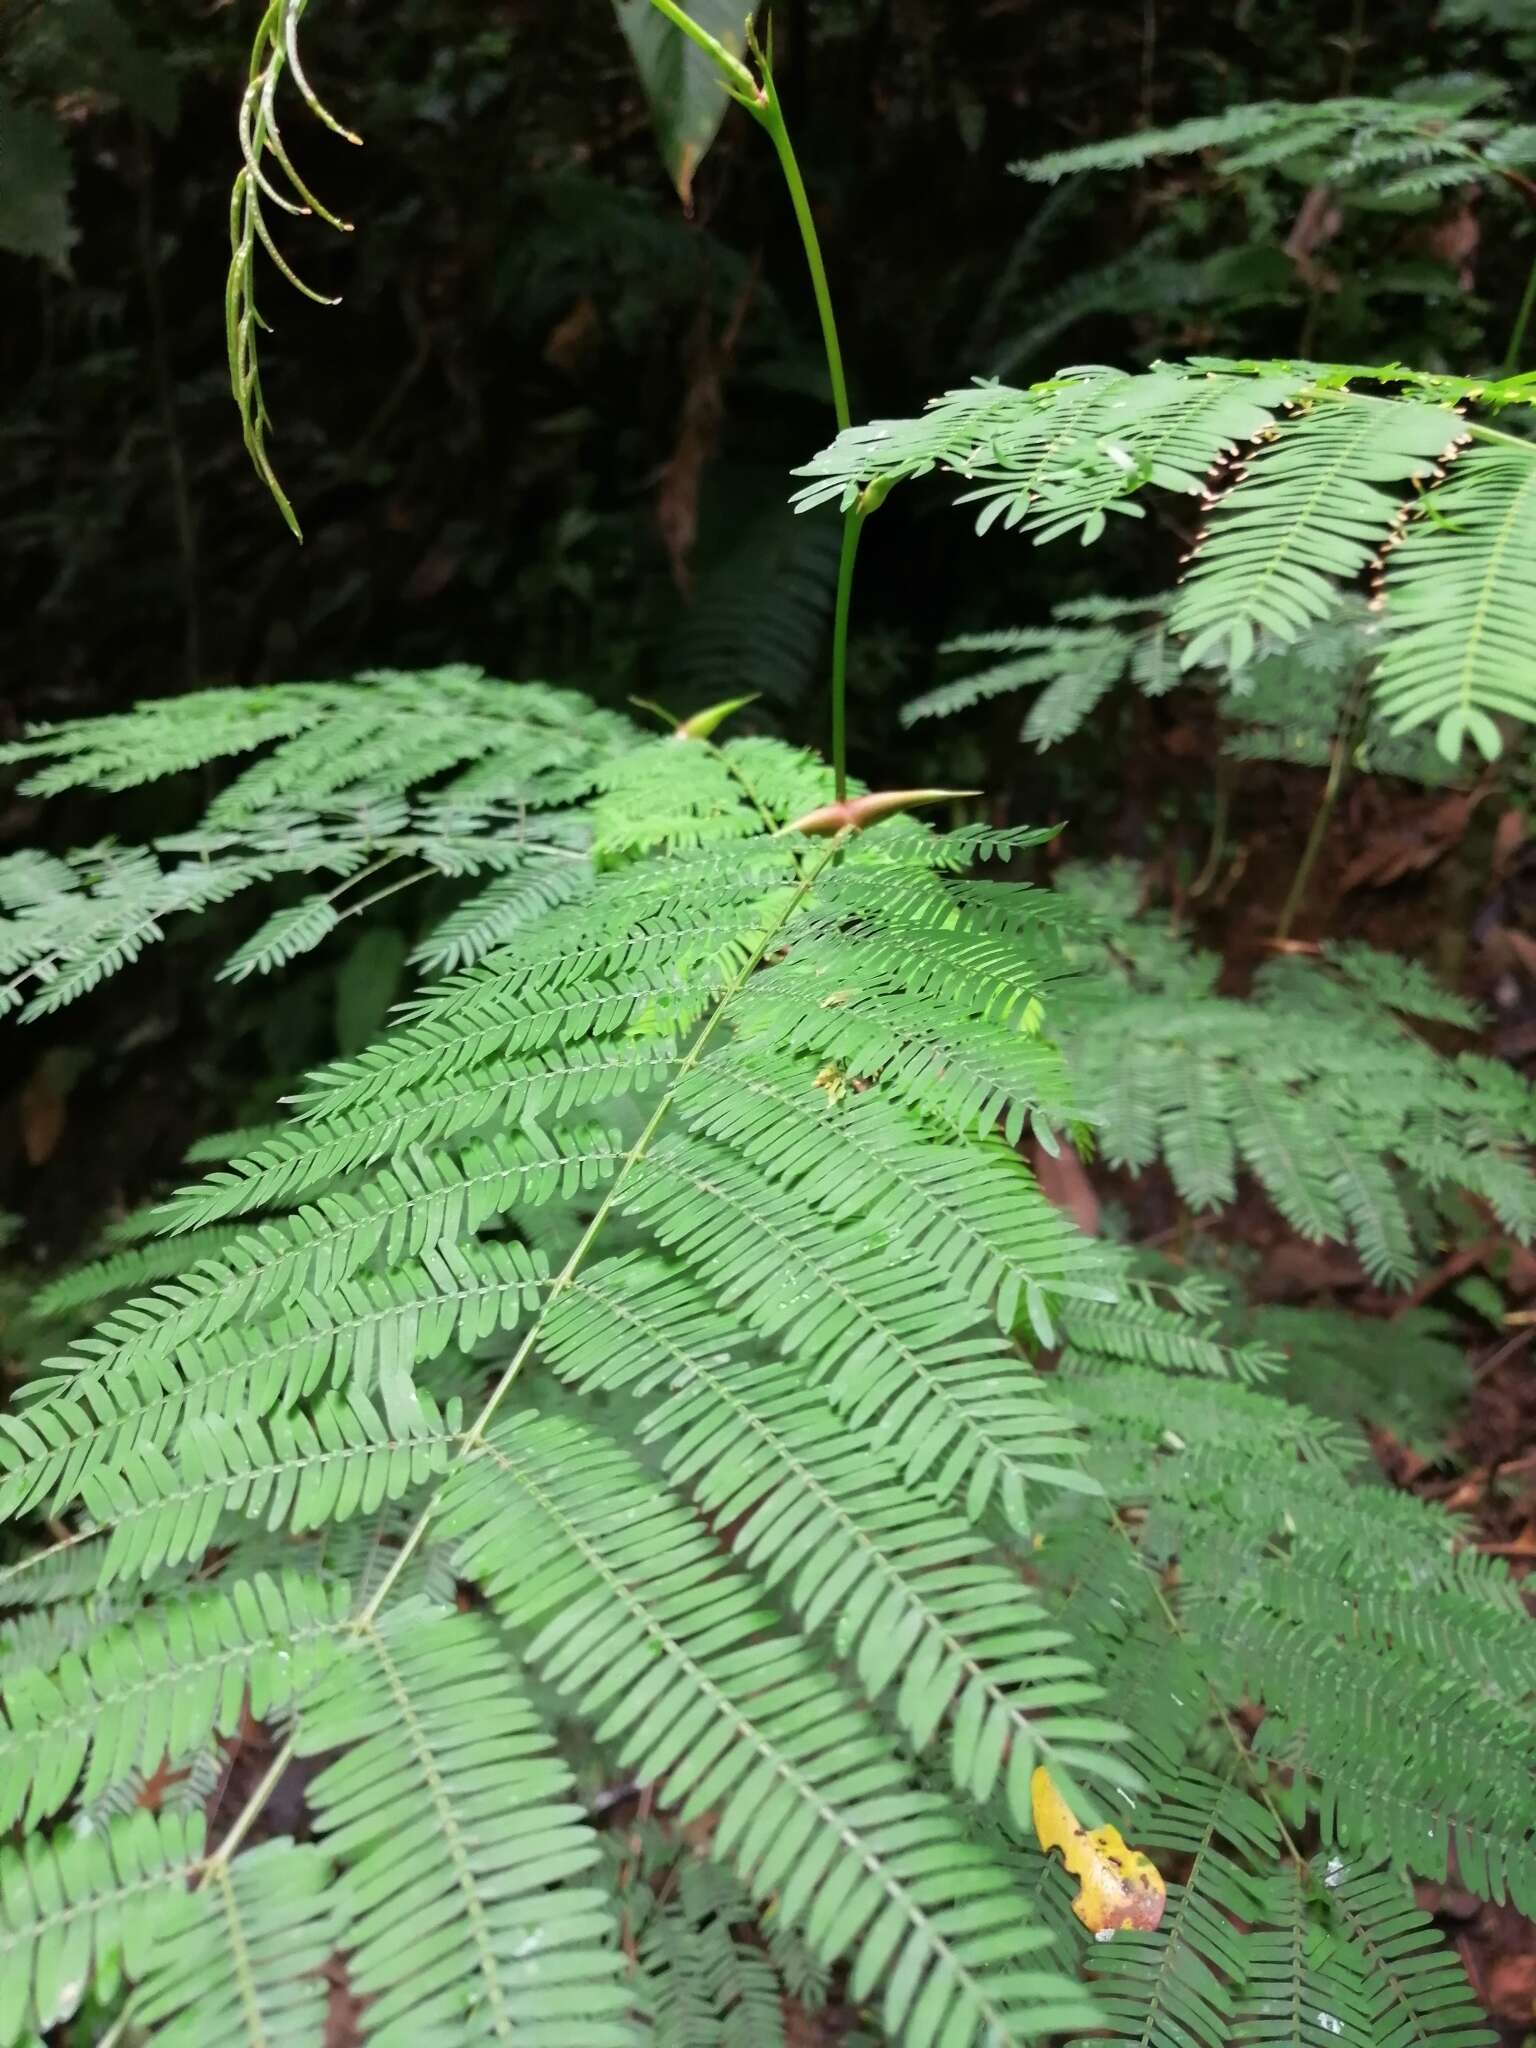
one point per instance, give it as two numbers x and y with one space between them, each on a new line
773 121
1225 776
1516 346
761 100
853 527
1498 438
1298 889
1346 737
853 522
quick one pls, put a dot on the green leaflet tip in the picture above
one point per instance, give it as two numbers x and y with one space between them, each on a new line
703 723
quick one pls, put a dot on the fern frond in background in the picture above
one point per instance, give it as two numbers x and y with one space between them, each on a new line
1299 703
1074 667
1231 284
383 783
1510 18
757 622
1262 1618
712 1983
1391 148
1345 1368
1315 1084
1412 1382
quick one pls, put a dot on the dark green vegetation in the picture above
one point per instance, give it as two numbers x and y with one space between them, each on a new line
825 1298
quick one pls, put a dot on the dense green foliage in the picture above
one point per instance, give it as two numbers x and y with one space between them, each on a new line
650 1371
788 1317
1288 524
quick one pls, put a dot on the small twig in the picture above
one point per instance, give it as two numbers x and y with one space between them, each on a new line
1449 1269
1226 775
1321 819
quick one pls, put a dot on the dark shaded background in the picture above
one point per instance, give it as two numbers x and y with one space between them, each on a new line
541 372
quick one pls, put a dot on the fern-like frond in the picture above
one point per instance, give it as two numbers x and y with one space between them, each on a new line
853 1155
243 1960
501 910
1391 146
368 1336
1184 1982
72 1902
1306 515
509 1094
448 1781
1395 1671
112 903
1303 702
522 1002
1409 1376
302 1469
1405 986
1334 474
1256 1946
1085 660
157 1688
815 1341
136 1266
1462 1787
971 1074
1146 1326
821 1511
422 1200
443 774
758 620
894 1347
1060 456
1316 1083
675 1661
1134 1411
1458 608
1346 1954
711 1985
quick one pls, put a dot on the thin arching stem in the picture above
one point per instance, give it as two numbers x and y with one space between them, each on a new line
772 119
1516 348
1226 775
759 95
1497 438
1344 740
1296 894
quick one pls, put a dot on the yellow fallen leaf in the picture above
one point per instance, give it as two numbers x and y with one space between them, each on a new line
1117 1886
